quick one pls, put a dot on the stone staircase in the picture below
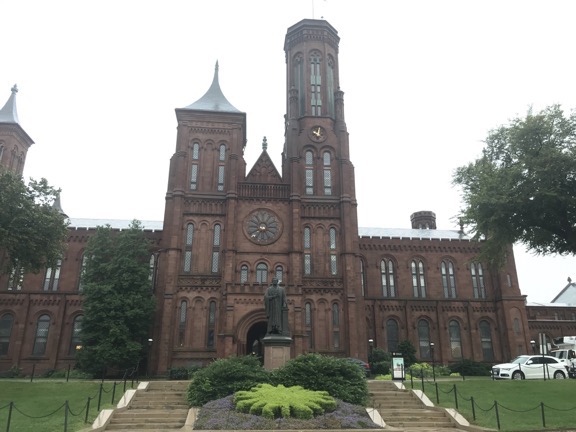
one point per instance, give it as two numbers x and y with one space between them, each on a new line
161 407
401 409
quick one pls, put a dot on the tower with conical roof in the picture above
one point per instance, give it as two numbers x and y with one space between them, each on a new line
14 141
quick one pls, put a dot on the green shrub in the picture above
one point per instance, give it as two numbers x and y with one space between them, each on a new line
380 367
275 402
378 355
223 377
182 373
467 367
341 378
408 352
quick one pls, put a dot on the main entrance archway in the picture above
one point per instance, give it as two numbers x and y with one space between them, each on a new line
254 339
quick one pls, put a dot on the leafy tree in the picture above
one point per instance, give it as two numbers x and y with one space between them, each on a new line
118 302
32 232
523 187
408 352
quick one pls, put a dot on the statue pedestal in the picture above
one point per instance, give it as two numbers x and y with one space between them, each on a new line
276 350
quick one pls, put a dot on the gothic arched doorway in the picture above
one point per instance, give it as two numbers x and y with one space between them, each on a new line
254 340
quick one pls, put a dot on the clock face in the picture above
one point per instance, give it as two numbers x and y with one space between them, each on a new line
263 227
317 134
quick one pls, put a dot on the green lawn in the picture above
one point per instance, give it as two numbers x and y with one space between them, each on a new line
40 405
519 402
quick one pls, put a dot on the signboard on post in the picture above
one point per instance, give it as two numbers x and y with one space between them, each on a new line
398 366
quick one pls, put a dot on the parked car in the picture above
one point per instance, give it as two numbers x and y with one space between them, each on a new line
530 367
365 366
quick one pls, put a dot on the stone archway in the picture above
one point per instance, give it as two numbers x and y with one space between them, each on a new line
254 339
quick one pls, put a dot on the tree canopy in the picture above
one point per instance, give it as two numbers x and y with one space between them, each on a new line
523 187
118 301
32 232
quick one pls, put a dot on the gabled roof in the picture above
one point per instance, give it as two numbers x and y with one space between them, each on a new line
213 99
567 295
8 113
264 170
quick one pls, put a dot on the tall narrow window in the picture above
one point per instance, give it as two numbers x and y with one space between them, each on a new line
262 273
387 278
315 85
279 274
52 277
448 281
418 281
82 270
6 322
486 341
41 336
455 339
16 278
194 167
244 274
182 322
308 324
211 324
516 326
333 256
424 338
1 151
362 279
216 249
477 280
307 251
151 267
392 334
188 248
330 86
221 160
75 341
335 326
309 161
299 84
327 174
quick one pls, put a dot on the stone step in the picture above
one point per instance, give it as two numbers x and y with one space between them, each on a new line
419 424
152 414
145 426
395 413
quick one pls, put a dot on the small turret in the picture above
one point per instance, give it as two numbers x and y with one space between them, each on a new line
423 220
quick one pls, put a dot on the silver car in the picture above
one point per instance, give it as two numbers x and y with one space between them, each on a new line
530 367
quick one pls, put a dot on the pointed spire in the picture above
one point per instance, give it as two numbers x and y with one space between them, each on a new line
213 99
264 144
8 114
58 206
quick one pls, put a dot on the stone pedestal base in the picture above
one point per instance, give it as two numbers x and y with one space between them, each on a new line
276 351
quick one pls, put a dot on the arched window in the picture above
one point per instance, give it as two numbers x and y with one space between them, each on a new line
244 274
309 324
478 280
261 273
448 281
315 84
194 166
335 326
333 256
392 334
486 341
309 171
188 248
221 160
307 251
6 322
211 324
182 322
516 326
41 336
424 338
387 278
362 278
75 341
299 84
455 339
279 274
330 87
216 249
418 281
327 174
52 277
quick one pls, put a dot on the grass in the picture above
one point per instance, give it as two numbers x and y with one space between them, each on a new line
519 402
40 405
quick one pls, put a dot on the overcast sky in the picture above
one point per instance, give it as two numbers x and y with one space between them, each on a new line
424 82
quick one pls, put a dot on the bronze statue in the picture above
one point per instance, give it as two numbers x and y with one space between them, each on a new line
276 309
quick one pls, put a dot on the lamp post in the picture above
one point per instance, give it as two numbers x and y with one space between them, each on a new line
433 366
150 342
371 348
533 344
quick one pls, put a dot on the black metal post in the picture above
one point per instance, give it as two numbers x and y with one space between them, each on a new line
66 417
87 409
68 374
543 417
33 369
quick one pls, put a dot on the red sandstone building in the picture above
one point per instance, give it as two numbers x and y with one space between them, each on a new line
228 230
